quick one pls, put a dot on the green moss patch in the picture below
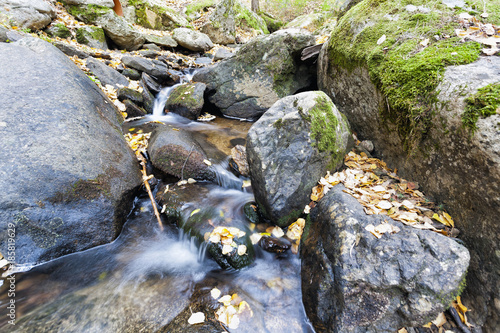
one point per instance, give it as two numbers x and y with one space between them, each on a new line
199 6
324 130
89 13
486 102
245 17
405 69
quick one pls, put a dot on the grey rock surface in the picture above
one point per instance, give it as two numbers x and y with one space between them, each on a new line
192 40
286 156
31 14
106 74
75 175
164 41
455 166
186 100
155 68
263 71
355 282
71 50
104 3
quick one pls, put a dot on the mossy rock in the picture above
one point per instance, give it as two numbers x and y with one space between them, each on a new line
92 36
404 68
186 100
154 15
58 30
272 23
198 6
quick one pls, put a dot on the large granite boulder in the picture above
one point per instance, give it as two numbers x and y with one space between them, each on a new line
123 34
263 71
228 15
154 14
290 148
67 177
353 281
92 36
418 104
31 14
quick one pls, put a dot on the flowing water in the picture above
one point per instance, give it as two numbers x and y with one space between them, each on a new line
150 281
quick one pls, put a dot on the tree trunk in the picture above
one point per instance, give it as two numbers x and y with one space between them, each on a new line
255 6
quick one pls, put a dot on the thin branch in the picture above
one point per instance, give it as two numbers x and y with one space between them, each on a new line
145 179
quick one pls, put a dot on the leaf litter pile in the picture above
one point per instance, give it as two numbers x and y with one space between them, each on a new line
484 33
381 191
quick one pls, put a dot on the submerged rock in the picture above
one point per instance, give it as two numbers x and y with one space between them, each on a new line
263 71
186 100
30 14
200 210
354 282
290 148
68 177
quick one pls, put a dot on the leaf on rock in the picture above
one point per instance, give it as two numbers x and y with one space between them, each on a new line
196 318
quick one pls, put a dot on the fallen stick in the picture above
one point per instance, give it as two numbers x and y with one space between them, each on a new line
145 179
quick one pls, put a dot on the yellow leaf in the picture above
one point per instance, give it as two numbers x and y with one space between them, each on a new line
449 220
441 219
195 211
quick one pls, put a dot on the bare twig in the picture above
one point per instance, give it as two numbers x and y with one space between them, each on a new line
145 179
457 319
182 171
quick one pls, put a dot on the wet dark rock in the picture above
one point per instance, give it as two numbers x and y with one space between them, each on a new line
186 100
251 212
73 192
192 40
131 73
106 74
130 94
58 30
354 282
148 99
133 110
197 211
239 158
70 50
30 14
274 245
155 68
292 146
92 36
164 41
177 153
222 54
263 71
151 83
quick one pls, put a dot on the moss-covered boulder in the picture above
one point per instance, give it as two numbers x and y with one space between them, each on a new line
75 175
186 100
290 148
194 9
272 23
228 15
92 36
395 69
263 71
123 34
154 14
310 22
58 30
192 39
213 218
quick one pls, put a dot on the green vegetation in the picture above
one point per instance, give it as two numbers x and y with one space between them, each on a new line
404 70
199 6
245 17
486 102
325 130
89 13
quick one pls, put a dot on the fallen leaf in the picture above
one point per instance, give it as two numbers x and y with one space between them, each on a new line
215 293
381 39
196 318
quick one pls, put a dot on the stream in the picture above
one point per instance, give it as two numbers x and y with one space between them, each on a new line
149 280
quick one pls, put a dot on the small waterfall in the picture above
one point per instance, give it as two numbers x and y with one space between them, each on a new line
225 178
161 98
